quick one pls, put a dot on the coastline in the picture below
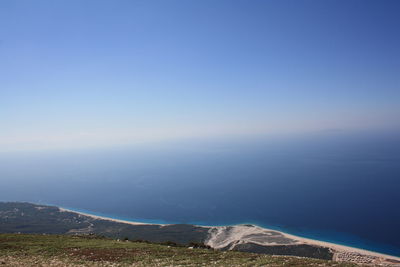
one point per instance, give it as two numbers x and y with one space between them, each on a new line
100 217
337 248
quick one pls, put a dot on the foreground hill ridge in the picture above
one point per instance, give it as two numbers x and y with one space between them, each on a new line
70 250
17 217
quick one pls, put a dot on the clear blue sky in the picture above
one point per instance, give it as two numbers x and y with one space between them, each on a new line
93 73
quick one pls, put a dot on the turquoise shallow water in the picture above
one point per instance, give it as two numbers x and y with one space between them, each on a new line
337 188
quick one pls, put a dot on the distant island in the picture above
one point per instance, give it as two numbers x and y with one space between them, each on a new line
27 218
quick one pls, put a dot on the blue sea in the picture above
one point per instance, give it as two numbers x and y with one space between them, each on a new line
332 186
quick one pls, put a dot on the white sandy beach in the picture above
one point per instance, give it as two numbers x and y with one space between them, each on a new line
223 236
108 218
336 247
220 237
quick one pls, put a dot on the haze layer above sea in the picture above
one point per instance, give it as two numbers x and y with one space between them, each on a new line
332 186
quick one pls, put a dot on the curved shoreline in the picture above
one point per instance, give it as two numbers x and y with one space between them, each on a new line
104 217
301 240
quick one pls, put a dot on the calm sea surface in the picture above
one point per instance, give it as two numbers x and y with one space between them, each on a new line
332 186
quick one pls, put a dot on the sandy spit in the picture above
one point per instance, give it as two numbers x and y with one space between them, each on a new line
240 233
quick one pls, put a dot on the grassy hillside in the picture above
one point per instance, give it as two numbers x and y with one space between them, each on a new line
65 250
27 218
30 218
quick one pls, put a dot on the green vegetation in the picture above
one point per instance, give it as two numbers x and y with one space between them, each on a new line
88 250
16 217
